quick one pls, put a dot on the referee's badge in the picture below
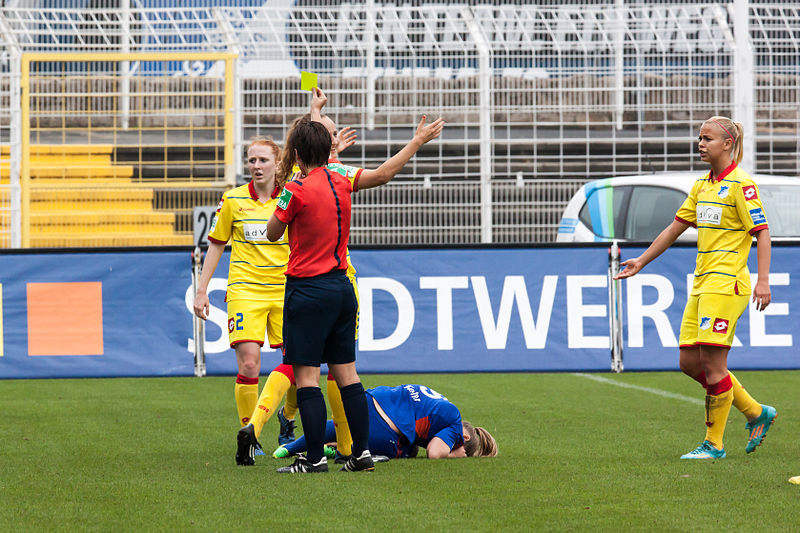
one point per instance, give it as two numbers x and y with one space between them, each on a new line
284 199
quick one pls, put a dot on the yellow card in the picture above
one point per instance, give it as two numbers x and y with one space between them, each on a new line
308 80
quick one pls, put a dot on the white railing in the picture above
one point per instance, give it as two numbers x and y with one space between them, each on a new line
554 91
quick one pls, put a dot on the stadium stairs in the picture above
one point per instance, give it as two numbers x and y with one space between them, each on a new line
80 198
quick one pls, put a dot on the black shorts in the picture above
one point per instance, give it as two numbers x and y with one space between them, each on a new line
319 320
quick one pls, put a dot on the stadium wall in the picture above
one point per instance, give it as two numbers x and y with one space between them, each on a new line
477 309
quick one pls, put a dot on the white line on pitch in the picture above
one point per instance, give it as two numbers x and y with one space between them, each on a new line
658 392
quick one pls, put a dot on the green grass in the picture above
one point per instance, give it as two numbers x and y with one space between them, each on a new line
575 455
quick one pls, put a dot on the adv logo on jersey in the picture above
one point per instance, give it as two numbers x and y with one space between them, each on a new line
757 215
709 214
255 232
723 191
705 322
345 170
284 199
721 326
750 192
219 206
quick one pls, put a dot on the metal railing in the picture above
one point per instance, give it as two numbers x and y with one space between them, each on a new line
535 94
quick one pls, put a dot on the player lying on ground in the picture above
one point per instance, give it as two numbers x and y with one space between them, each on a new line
407 416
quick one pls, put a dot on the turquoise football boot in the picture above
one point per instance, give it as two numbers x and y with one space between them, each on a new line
706 450
757 429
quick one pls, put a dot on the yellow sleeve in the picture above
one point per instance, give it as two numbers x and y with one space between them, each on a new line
223 222
749 207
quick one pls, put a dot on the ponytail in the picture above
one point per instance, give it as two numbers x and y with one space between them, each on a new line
735 131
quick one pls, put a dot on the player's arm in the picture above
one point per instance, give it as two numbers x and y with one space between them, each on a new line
761 292
275 228
438 449
662 242
384 173
201 303
318 101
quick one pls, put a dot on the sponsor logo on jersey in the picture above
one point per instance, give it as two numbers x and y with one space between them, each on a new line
705 322
709 214
723 191
246 209
284 199
213 223
750 192
757 215
219 206
345 170
255 232
231 324
721 326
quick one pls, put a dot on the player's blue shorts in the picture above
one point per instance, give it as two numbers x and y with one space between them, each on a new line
319 320
382 439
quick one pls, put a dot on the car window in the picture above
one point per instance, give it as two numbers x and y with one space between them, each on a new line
782 205
603 211
651 209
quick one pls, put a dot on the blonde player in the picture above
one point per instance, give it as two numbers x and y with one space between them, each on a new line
725 207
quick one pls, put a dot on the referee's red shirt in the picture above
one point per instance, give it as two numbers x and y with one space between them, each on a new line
317 210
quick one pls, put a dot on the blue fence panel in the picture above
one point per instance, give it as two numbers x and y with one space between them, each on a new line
422 310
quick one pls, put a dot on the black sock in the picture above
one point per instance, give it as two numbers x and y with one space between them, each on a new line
354 400
313 416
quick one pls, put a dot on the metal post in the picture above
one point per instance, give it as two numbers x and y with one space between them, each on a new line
619 60
744 88
198 324
486 149
369 42
615 308
125 66
15 133
233 102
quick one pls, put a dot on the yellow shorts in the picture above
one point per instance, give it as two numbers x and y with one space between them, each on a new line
249 320
710 319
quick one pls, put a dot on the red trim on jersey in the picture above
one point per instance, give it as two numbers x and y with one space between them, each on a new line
713 344
244 380
688 345
736 287
251 188
724 173
234 343
723 385
276 191
758 228
216 241
682 221
276 345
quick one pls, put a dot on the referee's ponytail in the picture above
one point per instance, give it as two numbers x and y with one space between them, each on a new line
733 130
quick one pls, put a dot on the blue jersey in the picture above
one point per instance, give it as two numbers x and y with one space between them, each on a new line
420 414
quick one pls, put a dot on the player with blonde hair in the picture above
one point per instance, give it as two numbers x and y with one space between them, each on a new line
725 207
406 417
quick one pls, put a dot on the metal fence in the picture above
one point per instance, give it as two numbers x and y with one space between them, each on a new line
539 96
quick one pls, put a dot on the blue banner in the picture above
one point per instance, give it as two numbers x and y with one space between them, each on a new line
128 313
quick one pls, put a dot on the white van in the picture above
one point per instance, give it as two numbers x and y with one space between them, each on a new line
637 208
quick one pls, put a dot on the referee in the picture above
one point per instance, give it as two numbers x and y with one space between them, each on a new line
319 314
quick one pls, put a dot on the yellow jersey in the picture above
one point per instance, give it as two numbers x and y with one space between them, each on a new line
257 265
727 212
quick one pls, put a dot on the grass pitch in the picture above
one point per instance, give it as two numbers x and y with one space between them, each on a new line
576 454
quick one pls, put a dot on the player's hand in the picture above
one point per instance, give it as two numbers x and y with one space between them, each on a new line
318 99
345 139
632 266
761 295
427 132
201 305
